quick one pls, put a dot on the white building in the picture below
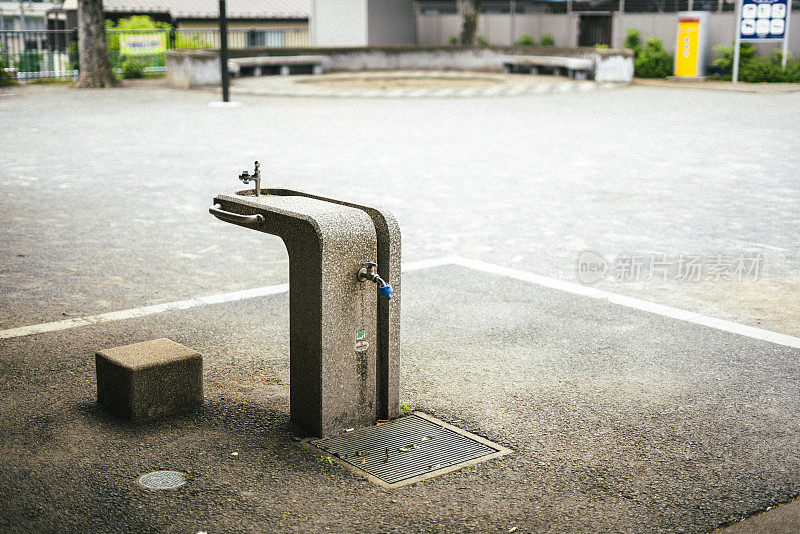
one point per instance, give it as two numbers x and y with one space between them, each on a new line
25 14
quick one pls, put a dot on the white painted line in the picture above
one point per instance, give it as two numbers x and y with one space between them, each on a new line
475 265
542 88
629 302
443 92
143 311
494 90
180 305
220 104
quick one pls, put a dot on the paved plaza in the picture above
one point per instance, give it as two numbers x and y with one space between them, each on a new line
661 396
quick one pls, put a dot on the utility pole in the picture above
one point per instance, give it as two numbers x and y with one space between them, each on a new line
223 51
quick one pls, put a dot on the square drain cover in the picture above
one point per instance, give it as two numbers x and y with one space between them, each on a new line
408 450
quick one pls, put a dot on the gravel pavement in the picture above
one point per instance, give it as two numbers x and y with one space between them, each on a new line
621 421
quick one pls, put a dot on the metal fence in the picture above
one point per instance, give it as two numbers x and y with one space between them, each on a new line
35 54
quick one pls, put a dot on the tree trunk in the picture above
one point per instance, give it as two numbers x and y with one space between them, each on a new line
95 66
469 12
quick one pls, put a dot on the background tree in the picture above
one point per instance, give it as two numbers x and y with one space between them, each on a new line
469 10
95 66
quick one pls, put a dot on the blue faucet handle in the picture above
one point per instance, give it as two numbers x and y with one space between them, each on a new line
386 291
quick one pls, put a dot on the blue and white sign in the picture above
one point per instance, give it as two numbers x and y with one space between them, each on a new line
763 20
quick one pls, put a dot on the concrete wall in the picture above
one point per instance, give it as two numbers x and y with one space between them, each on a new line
434 29
339 23
194 68
498 28
390 22
189 68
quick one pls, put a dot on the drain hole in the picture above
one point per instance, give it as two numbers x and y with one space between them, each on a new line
162 480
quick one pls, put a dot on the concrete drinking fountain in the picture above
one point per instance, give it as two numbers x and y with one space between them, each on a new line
344 301
344 336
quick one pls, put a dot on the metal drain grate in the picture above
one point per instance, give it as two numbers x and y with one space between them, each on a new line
409 449
162 480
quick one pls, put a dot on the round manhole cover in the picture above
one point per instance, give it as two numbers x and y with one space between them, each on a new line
162 480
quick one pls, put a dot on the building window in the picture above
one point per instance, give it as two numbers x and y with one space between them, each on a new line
266 38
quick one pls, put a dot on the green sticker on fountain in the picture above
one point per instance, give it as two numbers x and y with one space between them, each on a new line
361 341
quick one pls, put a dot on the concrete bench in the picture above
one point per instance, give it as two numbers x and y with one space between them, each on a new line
284 63
150 379
574 67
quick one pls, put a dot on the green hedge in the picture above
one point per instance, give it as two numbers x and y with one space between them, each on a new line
6 78
753 68
650 60
653 61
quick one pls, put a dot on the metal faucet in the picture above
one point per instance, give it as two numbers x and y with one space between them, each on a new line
256 176
369 271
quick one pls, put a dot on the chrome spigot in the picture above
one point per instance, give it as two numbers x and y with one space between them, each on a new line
245 177
369 271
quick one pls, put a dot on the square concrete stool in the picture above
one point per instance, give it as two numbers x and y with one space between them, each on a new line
149 379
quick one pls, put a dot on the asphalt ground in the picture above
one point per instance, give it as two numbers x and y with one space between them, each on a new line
620 420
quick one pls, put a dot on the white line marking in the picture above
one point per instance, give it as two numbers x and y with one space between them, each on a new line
629 302
143 311
180 305
475 265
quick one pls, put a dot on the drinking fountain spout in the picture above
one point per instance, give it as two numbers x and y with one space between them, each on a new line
369 271
256 177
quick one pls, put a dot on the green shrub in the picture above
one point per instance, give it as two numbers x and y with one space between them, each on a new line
452 39
526 40
761 69
724 60
633 41
6 78
601 46
132 68
753 68
653 61
195 42
29 62
74 56
548 40
792 73
483 41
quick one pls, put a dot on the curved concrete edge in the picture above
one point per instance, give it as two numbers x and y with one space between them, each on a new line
389 259
332 386
193 69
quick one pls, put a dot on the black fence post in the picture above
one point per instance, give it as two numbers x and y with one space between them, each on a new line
223 50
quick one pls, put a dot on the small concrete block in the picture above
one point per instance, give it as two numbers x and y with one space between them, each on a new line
149 379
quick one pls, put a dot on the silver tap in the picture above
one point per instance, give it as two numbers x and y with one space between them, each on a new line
256 176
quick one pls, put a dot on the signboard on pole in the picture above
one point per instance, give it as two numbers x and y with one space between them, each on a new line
142 44
761 21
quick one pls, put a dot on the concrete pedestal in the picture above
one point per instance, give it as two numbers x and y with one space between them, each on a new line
149 379
336 380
